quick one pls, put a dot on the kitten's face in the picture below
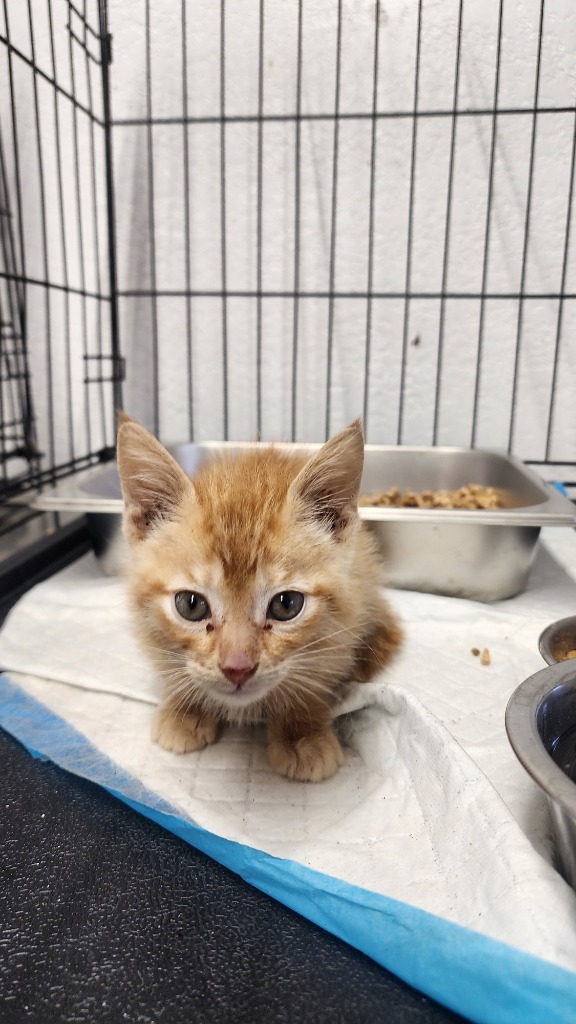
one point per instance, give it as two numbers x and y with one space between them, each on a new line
241 579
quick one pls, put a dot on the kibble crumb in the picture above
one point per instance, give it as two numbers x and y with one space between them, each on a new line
475 651
569 654
485 657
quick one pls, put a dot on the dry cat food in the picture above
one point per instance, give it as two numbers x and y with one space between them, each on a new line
484 655
471 496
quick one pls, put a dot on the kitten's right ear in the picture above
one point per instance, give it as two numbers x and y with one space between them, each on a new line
153 484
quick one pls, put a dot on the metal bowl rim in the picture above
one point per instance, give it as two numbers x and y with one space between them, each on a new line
547 634
520 720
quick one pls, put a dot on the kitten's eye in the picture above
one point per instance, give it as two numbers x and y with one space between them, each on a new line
192 606
286 605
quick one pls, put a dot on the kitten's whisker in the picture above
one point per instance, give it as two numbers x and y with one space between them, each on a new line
359 638
309 657
311 690
168 653
178 699
298 686
327 636
343 629
182 705
291 697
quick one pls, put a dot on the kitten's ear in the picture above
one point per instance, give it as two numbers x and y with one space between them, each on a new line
153 484
327 488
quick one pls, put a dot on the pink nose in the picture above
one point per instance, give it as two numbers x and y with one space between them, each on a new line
238 669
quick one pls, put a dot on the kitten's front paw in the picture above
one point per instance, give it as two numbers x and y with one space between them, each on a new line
310 759
184 733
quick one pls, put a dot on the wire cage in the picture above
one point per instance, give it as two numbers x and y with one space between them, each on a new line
260 220
60 367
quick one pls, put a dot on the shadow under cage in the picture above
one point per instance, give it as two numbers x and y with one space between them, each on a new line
261 220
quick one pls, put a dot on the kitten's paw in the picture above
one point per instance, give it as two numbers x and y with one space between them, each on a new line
310 759
184 733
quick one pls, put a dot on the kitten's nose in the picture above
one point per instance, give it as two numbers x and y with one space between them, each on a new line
238 668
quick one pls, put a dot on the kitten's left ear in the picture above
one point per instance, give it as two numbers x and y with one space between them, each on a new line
327 488
153 484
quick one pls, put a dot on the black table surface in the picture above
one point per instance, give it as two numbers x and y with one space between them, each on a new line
106 917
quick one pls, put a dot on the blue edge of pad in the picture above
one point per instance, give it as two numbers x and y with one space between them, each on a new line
482 979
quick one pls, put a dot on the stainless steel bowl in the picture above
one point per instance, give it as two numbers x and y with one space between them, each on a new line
558 640
541 727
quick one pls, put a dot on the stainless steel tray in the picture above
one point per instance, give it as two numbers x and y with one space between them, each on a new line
484 554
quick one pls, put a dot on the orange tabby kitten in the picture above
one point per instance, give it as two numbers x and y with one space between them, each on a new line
256 593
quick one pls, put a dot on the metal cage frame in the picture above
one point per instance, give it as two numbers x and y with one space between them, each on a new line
30 456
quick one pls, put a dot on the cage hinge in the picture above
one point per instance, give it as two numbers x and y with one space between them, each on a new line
119 368
107 48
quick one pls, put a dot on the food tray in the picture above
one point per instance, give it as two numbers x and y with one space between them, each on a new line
483 554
